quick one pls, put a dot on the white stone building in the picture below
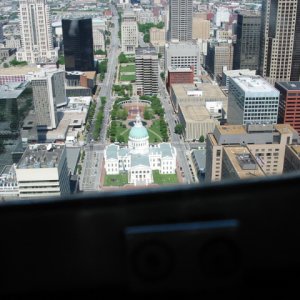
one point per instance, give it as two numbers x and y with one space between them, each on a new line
129 32
139 159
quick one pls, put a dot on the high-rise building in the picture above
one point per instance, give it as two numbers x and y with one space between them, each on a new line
246 49
43 171
15 104
182 55
48 90
219 57
280 40
146 65
237 151
289 103
37 43
99 27
78 44
129 32
1 33
252 100
201 28
181 19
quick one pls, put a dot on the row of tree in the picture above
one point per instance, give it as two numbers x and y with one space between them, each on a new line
123 59
99 119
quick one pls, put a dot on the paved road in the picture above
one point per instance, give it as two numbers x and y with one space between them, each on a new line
92 167
181 147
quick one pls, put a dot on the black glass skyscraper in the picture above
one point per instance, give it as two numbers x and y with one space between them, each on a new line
78 44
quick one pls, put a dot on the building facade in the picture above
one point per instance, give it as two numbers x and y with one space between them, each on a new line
129 32
78 44
252 100
236 151
48 91
43 171
219 57
182 55
139 159
280 40
179 75
289 104
37 43
201 28
246 49
181 19
146 66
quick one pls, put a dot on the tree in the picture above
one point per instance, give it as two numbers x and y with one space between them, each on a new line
179 129
100 52
201 139
123 58
148 115
5 65
2 147
147 38
121 139
162 75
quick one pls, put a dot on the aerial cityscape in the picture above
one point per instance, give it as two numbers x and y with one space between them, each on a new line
105 95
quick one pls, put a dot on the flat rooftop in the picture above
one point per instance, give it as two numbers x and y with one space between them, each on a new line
12 90
145 51
209 91
18 70
195 113
254 84
290 85
181 70
285 128
239 72
243 163
41 156
231 129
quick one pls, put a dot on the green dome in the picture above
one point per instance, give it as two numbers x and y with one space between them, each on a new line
138 132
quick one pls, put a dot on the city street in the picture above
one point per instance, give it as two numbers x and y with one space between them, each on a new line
92 167
178 142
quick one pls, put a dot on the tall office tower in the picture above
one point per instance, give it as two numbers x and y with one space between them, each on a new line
181 20
37 43
43 171
237 151
1 32
15 104
289 103
280 40
146 65
201 28
251 100
183 55
78 44
48 89
219 57
246 49
129 32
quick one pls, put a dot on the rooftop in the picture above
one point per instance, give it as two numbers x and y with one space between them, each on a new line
145 51
239 72
285 128
290 85
231 129
243 163
173 69
41 156
201 90
254 84
195 113
140 160
18 70
12 90
296 149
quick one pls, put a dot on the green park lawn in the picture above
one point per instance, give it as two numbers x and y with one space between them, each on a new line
164 178
128 68
127 78
116 180
156 127
122 131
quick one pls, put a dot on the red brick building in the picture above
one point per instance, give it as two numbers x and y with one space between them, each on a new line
289 103
180 75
